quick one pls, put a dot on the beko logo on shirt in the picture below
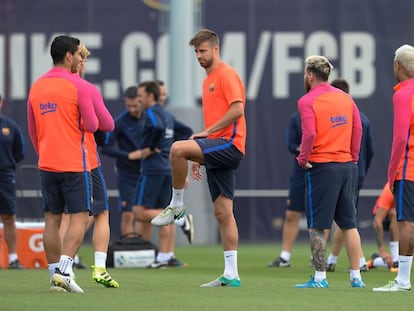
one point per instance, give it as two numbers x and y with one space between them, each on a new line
338 120
47 107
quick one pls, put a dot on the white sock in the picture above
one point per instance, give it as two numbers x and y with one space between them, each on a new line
65 265
100 259
355 274
362 262
379 262
52 267
177 198
320 276
404 270
76 259
394 250
12 257
285 255
230 265
180 222
163 256
332 259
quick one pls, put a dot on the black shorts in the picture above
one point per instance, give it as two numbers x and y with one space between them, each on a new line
100 194
331 193
404 200
296 199
7 194
221 159
66 192
153 191
127 185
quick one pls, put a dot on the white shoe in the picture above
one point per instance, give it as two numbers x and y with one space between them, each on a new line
57 289
168 215
65 282
188 227
393 286
223 282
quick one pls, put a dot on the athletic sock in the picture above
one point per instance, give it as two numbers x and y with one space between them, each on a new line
332 259
320 276
230 265
394 250
362 262
65 265
355 274
12 257
52 267
177 199
285 255
404 270
100 259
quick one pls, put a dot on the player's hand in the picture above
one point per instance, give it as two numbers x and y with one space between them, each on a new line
135 155
195 171
307 166
146 152
202 134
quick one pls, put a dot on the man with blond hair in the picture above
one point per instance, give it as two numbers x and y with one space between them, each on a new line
331 140
100 207
401 166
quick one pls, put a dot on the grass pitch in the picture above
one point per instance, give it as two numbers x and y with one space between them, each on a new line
175 289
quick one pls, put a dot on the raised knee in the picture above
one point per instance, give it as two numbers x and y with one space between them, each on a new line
175 151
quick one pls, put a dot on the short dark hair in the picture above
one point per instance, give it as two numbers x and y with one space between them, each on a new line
341 84
159 82
205 35
151 87
131 92
61 45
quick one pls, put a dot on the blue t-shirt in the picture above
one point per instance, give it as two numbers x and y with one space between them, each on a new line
11 145
127 136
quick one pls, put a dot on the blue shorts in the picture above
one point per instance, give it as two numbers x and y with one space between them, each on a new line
331 193
127 185
404 200
100 194
66 192
296 199
221 160
153 191
7 194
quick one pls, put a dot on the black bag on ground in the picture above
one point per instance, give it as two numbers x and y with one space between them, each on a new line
131 251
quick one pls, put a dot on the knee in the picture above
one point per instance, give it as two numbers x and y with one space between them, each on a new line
175 151
223 217
8 220
292 217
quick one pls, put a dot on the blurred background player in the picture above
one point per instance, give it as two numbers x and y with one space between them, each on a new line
385 219
123 144
295 205
181 132
153 191
11 152
366 154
